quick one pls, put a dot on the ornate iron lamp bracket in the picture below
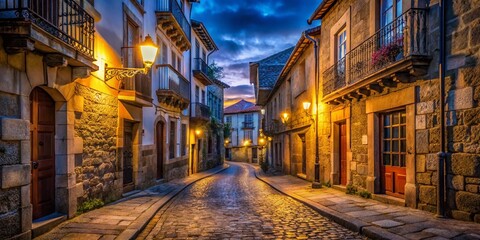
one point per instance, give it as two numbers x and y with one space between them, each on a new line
121 73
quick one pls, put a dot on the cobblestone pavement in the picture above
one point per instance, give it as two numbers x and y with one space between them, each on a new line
234 204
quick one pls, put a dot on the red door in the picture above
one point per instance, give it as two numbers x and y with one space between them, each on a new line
160 154
343 153
42 130
394 153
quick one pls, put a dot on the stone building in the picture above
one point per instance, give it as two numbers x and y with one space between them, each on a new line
244 119
74 126
206 131
380 110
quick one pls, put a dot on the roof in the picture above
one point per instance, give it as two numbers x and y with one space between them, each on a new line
242 106
221 84
321 10
269 68
204 36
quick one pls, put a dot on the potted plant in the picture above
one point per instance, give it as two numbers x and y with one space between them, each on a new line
387 53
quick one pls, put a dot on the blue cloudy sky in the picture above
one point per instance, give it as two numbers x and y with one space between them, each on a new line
249 30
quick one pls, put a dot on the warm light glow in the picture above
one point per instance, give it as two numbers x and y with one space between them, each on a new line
284 117
149 51
246 142
269 139
198 132
306 105
226 141
262 111
262 141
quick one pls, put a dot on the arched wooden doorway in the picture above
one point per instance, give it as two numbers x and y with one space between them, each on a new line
160 130
42 132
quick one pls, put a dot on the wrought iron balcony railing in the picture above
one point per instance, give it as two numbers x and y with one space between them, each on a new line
202 71
172 6
63 19
404 38
248 125
171 79
200 111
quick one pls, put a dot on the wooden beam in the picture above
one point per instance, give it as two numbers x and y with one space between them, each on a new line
401 77
364 92
375 87
387 82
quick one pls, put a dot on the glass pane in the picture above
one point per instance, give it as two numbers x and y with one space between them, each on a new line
403 161
399 8
395 132
403 146
386 146
387 4
395 160
386 120
386 133
403 117
403 131
395 146
386 159
396 119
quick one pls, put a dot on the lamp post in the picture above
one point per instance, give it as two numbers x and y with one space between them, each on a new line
262 141
149 52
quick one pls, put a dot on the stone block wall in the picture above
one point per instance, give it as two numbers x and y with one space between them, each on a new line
96 125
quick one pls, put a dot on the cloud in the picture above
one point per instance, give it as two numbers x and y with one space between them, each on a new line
250 30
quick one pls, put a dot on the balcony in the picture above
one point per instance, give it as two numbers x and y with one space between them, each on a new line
200 112
61 28
202 72
172 20
174 89
397 53
248 125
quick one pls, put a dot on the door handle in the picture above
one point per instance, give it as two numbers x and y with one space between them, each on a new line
35 165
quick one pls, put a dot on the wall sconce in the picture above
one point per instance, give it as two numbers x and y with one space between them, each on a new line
284 117
198 132
262 111
306 106
149 52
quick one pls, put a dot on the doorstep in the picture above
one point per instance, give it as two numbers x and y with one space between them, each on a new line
384 198
47 223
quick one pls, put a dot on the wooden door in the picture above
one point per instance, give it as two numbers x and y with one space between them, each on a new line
160 152
394 153
343 153
42 130
128 157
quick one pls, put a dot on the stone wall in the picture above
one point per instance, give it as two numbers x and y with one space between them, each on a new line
97 125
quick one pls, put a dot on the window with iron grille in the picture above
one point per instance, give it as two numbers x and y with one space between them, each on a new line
247 135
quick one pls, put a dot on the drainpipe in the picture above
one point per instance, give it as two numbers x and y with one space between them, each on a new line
316 183
442 154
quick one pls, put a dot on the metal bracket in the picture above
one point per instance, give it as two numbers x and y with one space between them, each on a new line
121 73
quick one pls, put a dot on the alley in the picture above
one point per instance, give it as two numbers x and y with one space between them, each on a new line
235 204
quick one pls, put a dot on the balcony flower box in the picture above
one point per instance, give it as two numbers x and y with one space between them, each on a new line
387 53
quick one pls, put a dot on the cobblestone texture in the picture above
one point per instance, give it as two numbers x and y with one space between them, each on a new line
234 204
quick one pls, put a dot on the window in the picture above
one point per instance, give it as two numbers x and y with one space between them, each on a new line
173 60
179 64
197 94
164 53
131 34
228 120
341 44
203 97
247 135
183 144
389 11
248 117
172 140
394 144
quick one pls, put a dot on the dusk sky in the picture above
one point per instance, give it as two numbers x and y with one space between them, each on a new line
250 30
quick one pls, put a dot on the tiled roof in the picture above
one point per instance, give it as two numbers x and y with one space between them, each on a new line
270 67
241 106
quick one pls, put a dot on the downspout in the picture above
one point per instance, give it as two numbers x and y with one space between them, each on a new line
442 154
316 183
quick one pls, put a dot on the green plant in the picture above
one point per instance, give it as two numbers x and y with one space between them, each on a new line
264 166
227 130
328 184
365 194
90 204
351 189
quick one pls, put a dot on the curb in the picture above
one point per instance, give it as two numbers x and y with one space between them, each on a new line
141 222
342 219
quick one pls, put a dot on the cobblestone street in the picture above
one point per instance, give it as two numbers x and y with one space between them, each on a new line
234 204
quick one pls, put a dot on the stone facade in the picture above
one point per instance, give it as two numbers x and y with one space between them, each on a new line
416 92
